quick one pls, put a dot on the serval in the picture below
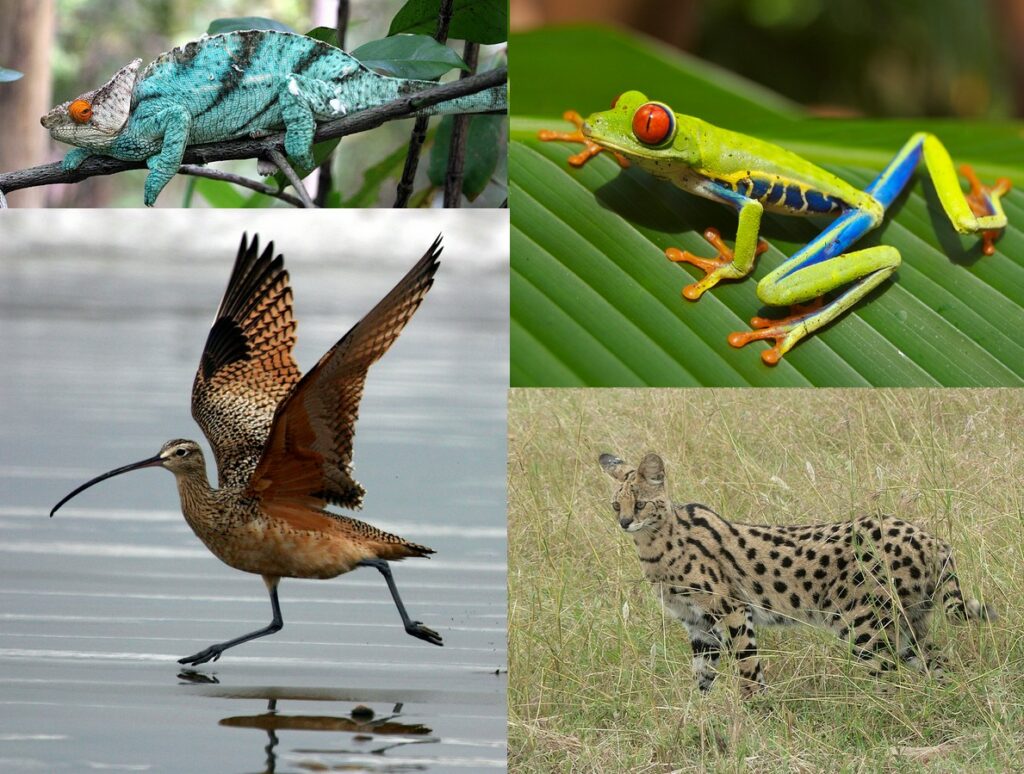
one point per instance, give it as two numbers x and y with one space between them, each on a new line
872 581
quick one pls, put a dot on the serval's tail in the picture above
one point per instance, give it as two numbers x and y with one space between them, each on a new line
957 608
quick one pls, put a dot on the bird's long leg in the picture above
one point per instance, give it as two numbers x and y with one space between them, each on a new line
415 628
213 652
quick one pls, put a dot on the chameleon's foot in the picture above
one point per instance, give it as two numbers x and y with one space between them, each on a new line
719 267
983 201
786 332
590 148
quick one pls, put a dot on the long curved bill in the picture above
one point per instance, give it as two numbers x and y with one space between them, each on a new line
147 463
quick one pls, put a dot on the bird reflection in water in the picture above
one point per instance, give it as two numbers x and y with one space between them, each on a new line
371 735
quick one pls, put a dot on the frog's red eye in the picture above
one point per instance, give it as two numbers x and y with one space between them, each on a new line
80 111
616 100
653 123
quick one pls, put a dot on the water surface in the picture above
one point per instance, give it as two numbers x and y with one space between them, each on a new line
103 317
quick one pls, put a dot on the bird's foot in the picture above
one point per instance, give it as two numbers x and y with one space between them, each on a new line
417 629
212 653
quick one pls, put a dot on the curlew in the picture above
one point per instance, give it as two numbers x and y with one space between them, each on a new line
283 442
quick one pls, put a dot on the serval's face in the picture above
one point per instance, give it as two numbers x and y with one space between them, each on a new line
639 502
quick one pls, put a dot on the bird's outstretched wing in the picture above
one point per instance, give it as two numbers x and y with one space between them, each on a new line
308 455
247 368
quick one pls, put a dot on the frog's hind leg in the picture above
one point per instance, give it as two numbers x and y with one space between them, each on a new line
874 265
818 267
822 266
978 212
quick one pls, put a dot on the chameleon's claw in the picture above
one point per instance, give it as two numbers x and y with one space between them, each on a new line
714 268
983 201
786 332
590 148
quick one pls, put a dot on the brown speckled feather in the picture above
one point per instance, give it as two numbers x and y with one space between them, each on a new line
308 454
246 369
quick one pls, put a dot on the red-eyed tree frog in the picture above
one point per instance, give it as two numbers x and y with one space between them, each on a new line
751 176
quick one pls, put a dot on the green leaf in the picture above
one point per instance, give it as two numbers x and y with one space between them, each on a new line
409 56
231 24
595 301
369 193
321 151
328 35
219 193
480 21
7 75
586 67
483 145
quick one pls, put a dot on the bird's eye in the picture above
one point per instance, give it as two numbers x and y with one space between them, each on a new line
616 507
181 453
653 124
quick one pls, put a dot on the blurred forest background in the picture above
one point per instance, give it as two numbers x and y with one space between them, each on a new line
66 47
955 58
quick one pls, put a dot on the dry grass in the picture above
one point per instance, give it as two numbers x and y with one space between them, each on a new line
600 680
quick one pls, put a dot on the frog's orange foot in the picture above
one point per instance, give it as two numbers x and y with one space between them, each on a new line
712 267
590 148
980 199
785 332
770 356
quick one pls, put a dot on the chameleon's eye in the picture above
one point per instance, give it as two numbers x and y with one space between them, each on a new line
653 124
80 111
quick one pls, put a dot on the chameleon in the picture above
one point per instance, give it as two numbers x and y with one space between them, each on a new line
751 176
221 87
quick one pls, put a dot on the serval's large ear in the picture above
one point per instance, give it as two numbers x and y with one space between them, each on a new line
615 467
652 470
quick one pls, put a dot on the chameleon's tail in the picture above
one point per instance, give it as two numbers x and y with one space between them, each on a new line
486 101
367 89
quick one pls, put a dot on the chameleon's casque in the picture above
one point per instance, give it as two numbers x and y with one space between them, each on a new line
222 87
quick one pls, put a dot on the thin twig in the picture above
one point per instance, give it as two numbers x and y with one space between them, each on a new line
282 163
419 130
341 22
3 201
325 176
247 148
245 182
460 134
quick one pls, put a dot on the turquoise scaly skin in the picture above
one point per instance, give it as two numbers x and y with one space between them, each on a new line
223 87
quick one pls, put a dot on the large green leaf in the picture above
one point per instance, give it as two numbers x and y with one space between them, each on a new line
595 302
409 56
231 24
481 21
483 147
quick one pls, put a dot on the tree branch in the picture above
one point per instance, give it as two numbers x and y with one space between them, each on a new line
419 129
282 163
246 148
459 138
245 182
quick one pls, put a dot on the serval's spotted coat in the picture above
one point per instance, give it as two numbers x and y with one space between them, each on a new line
872 581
